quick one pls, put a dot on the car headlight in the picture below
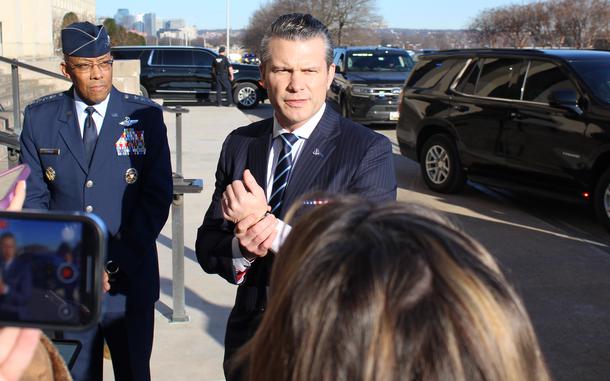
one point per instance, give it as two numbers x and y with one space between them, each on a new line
362 91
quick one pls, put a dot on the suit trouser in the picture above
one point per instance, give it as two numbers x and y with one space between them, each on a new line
129 335
222 82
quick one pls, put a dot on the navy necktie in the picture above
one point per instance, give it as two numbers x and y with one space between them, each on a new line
282 173
89 134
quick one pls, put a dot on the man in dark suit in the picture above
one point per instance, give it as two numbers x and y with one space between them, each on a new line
305 147
95 149
223 72
15 280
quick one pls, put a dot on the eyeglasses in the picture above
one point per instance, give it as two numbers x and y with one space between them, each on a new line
87 67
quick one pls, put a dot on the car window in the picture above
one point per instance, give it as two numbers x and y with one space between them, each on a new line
428 73
339 59
378 61
469 81
126 54
596 74
202 58
157 58
173 57
500 78
543 78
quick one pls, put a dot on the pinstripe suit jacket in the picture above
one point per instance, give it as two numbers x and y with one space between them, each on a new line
349 158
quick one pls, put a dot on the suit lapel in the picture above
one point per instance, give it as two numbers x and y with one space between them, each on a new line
70 131
314 155
110 131
257 155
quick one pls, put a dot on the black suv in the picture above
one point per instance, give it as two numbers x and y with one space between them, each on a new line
367 82
535 120
185 73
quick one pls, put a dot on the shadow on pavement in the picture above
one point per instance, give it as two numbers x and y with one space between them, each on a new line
555 254
217 315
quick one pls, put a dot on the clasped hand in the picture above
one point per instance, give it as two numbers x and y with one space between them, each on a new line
244 203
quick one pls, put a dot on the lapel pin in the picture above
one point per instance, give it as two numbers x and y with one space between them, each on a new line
50 174
131 176
316 152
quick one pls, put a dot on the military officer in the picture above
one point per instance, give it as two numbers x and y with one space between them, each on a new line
98 150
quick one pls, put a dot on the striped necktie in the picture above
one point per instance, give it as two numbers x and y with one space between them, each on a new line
89 134
282 173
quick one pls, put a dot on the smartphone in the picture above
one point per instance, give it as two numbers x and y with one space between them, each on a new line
51 268
8 182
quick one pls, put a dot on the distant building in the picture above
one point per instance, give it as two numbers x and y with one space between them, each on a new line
31 28
185 35
150 24
120 15
175 24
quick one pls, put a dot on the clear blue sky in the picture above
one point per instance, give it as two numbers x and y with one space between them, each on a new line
210 14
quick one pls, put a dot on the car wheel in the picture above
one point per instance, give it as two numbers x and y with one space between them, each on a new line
246 95
601 202
143 91
440 165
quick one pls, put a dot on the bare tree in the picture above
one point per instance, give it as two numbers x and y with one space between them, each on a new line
484 30
345 19
575 23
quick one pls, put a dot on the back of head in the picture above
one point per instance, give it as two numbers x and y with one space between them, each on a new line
366 292
296 27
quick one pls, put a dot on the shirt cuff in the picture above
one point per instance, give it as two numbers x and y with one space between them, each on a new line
240 264
282 229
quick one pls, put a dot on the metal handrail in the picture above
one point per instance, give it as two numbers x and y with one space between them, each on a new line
18 63
15 65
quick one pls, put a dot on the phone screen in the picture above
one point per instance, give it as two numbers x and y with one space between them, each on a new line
49 269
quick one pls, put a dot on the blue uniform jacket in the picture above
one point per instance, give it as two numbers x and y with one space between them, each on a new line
133 137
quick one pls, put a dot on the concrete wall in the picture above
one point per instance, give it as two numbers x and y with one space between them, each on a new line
126 76
30 27
27 28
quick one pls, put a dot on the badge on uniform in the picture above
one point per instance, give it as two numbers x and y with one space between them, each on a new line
50 174
128 122
131 142
131 176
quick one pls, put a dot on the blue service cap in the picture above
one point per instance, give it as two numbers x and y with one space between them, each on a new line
83 39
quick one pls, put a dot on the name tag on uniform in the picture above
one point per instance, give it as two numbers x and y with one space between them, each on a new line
49 151
131 142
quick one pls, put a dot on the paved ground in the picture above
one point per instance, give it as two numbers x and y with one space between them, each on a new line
555 253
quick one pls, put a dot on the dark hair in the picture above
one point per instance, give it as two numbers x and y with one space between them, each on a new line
296 27
386 292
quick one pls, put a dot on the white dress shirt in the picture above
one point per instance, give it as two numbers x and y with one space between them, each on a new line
98 115
241 264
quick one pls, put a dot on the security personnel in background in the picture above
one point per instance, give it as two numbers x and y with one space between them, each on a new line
223 71
98 150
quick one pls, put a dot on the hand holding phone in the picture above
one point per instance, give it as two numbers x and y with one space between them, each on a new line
12 188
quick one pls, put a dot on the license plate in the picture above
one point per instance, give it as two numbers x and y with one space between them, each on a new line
394 115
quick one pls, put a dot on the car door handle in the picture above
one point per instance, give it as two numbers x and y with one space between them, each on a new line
515 115
461 108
